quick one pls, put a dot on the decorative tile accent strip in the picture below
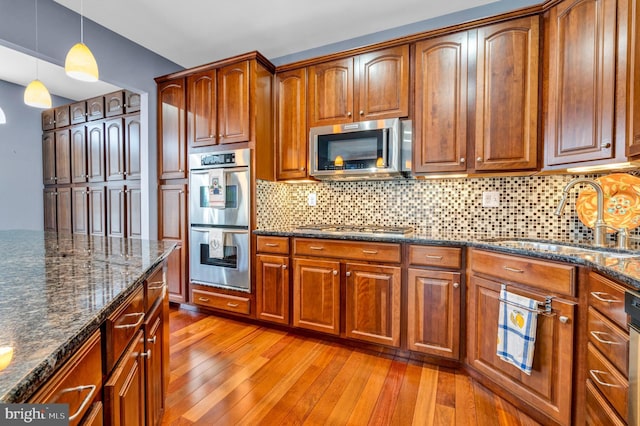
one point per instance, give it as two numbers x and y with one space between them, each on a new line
527 205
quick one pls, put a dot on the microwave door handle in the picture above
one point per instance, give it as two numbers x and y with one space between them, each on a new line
385 146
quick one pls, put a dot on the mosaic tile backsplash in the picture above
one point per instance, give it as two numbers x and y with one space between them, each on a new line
527 206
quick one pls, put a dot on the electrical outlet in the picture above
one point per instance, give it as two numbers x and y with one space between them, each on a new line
490 199
311 199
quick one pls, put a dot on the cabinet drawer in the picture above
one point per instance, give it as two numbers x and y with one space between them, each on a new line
608 380
356 250
612 342
276 245
445 257
121 326
154 287
225 302
608 298
77 383
599 412
540 274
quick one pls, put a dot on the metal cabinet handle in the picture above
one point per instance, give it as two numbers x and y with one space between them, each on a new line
140 316
348 274
284 266
335 272
598 294
153 340
430 256
302 169
479 159
507 268
596 335
462 160
203 299
456 285
370 251
272 244
146 354
349 114
563 319
156 287
85 401
361 112
595 375
220 136
316 248
232 305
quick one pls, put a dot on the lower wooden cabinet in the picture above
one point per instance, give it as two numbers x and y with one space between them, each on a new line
433 312
316 295
598 411
272 288
172 226
372 303
154 380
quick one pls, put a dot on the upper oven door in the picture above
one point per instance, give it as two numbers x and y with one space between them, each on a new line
236 211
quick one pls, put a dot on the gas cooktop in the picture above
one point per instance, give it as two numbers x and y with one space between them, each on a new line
358 229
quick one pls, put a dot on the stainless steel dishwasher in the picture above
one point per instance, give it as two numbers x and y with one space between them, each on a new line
632 306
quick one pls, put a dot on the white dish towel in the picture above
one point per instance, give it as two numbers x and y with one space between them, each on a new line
217 189
517 330
216 243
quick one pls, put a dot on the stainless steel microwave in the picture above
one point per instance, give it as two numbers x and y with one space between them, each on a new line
377 149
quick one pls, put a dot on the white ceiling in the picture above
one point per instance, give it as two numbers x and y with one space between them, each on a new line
195 32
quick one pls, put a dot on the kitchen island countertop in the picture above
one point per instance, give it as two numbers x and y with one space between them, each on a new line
624 269
55 291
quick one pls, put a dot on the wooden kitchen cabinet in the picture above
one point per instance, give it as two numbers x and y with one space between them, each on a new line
202 129
372 304
95 152
172 226
80 204
95 108
172 149
97 211
116 103
155 392
292 145
370 86
134 211
233 103
272 288
63 157
114 149
49 158
62 118
116 211
548 389
50 209
132 146
506 133
78 154
316 295
63 210
78 112
48 119
441 93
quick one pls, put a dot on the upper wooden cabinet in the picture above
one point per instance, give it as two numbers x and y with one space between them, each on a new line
95 152
49 158
233 103
292 145
48 119
78 154
121 102
202 127
172 152
63 156
78 112
114 148
62 118
95 108
581 88
507 57
379 88
132 145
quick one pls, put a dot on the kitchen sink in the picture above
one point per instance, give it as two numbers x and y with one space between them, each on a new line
563 248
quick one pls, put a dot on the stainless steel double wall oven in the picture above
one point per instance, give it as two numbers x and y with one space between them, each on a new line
220 242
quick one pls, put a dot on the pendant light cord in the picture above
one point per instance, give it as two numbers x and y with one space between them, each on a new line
36 2
81 21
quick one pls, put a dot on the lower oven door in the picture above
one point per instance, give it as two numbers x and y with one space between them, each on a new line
231 269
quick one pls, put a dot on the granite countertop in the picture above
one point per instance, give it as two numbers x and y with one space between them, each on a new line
622 265
55 291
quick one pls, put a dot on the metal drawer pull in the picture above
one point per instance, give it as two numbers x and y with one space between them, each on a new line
316 248
348 274
152 286
507 268
232 305
284 266
563 319
430 256
597 295
271 244
370 251
335 272
140 316
203 299
152 341
596 335
146 354
85 401
456 285
594 375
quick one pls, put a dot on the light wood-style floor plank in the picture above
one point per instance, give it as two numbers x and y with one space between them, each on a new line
227 372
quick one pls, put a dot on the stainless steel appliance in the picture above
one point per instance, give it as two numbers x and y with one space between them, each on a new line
377 149
632 307
378 230
219 237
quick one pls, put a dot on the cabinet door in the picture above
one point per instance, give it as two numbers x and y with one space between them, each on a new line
50 208
507 86
114 104
95 108
201 112
49 158
134 212
116 215
330 93
63 157
176 275
383 84
124 398
580 102
97 211
549 387
114 146
95 152
80 205
78 112
433 315
233 103
172 226
154 342
172 149
132 102
373 303
440 141
62 116
48 119
132 144
272 288
63 210
292 139
316 295
78 154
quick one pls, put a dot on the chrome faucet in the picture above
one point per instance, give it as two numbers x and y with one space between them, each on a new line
600 227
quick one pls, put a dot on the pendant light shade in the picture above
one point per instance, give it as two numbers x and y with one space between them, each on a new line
37 95
80 63
3 118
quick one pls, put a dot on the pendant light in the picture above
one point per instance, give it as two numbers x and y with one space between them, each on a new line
3 118
80 63
36 94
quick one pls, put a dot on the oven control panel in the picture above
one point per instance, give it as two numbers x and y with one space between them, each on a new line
218 159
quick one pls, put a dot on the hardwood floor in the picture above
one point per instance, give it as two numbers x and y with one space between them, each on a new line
225 372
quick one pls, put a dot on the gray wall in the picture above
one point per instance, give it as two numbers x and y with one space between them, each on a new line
121 62
21 161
